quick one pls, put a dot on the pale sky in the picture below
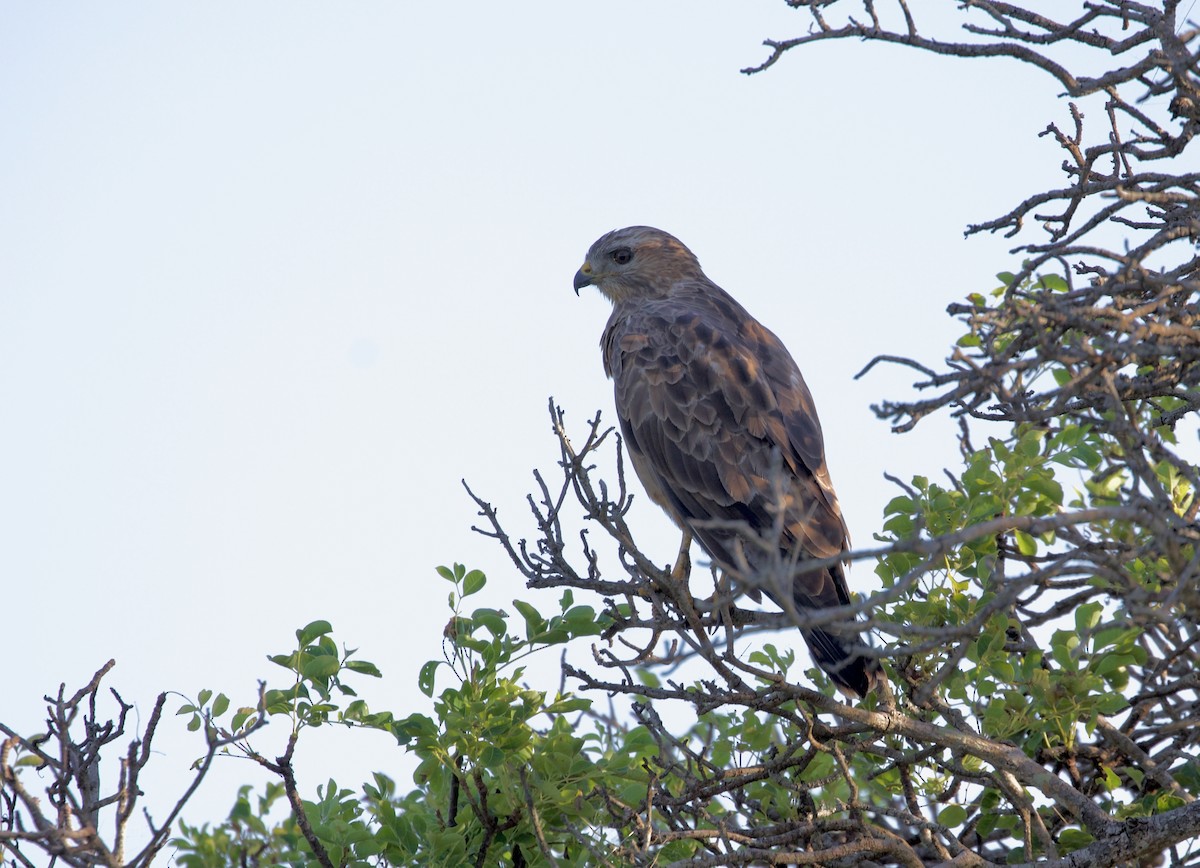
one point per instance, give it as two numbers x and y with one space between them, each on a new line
276 276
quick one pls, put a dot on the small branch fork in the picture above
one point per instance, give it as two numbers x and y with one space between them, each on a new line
1149 102
62 816
283 767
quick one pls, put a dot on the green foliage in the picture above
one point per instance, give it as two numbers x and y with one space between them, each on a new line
320 669
984 530
1015 477
247 836
483 750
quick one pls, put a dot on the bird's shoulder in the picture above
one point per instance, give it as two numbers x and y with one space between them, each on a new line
700 346
704 326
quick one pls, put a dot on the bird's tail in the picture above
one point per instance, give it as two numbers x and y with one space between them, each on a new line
850 671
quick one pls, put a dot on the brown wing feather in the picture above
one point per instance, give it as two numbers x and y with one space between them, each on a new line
705 394
824 532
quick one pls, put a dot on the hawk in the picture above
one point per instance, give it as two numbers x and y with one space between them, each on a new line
721 428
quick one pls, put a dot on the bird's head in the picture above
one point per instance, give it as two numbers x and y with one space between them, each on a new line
636 261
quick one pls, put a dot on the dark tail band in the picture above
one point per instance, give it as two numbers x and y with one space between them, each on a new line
851 672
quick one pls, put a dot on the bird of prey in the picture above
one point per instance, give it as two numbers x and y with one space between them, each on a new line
721 428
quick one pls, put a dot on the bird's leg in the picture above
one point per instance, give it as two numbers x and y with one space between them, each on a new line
683 564
680 572
723 604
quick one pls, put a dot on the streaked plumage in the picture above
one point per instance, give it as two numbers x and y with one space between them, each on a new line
706 396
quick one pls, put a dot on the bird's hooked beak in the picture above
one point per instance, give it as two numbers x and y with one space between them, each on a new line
583 277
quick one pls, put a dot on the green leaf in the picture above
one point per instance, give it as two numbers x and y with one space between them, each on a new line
1168 801
364 667
534 622
491 619
1087 616
1111 703
580 615
492 757
221 705
1062 643
1070 840
551 637
279 701
648 678
320 668
952 816
287 661
312 631
415 726
1026 544
1053 283
1135 774
473 582
426 677
569 704
1046 486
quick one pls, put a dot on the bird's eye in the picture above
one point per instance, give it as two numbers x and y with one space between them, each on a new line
621 255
